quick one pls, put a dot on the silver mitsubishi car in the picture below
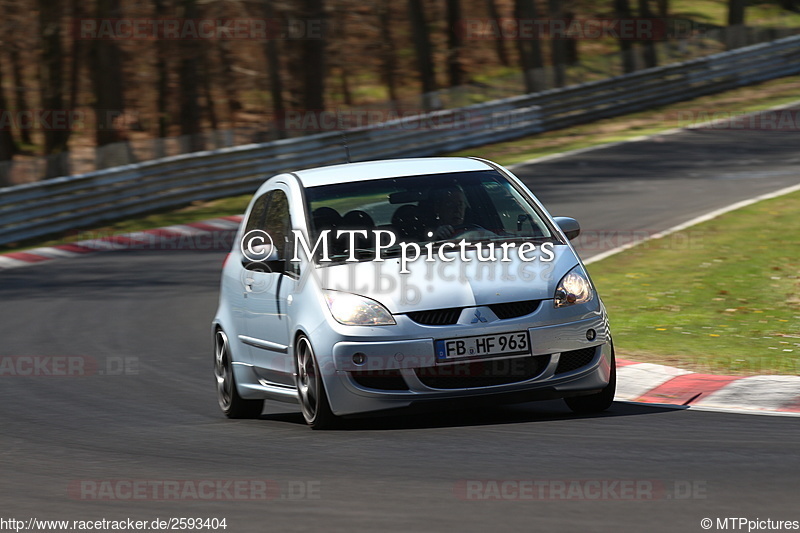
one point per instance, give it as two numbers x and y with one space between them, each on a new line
364 288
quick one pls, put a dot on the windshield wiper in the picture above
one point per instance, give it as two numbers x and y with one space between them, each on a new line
361 254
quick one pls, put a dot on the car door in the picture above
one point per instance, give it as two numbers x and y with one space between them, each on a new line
266 288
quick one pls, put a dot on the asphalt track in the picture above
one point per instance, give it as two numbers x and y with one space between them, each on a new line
144 408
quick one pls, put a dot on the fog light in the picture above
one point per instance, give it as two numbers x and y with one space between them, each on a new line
590 335
359 358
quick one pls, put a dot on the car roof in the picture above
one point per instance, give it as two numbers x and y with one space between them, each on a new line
390 168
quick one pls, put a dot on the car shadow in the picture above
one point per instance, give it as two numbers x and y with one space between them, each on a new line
431 418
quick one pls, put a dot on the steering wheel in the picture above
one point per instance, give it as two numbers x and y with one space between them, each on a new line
462 229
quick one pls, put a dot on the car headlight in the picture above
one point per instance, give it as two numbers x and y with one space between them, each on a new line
574 288
354 310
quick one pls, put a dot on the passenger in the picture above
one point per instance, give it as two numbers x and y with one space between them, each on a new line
449 206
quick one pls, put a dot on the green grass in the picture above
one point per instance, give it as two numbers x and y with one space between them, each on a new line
722 297
716 12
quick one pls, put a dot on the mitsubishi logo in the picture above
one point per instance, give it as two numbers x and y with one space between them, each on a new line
478 317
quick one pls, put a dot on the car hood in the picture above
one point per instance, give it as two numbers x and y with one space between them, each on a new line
440 285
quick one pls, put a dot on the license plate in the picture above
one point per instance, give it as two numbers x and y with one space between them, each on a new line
515 343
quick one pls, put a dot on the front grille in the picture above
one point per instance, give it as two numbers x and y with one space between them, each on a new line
436 317
574 359
514 309
446 317
482 373
380 379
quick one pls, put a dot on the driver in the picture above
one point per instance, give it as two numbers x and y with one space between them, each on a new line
449 206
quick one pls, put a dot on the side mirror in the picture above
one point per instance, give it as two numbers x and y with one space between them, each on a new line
569 226
263 258
274 266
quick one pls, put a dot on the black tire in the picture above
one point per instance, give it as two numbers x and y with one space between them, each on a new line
599 402
233 405
310 387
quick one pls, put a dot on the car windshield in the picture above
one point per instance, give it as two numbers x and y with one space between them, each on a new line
476 206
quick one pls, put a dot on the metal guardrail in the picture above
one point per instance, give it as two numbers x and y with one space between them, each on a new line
37 209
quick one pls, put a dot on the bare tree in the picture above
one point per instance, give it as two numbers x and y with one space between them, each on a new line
7 147
499 42
14 46
274 66
189 82
20 98
424 54
312 51
162 73
51 81
650 54
623 11
455 69
735 33
571 56
107 77
388 49
557 45
208 91
736 12
230 85
530 50
76 58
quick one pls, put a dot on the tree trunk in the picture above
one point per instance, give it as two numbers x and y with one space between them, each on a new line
530 50
313 59
499 43
20 98
422 47
189 66
389 53
107 82
7 147
650 55
623 11
208 92
275 80
571 55
455 70
557 48
52 84
76 60
162 74
736 32
347 95
227 60
736 12
17 77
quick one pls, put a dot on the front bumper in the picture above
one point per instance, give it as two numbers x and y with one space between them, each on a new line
400 373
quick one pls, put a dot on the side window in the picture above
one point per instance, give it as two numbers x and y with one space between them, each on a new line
256 220
516 218
277 221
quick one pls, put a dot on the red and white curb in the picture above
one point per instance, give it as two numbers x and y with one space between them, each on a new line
666 385
171 237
